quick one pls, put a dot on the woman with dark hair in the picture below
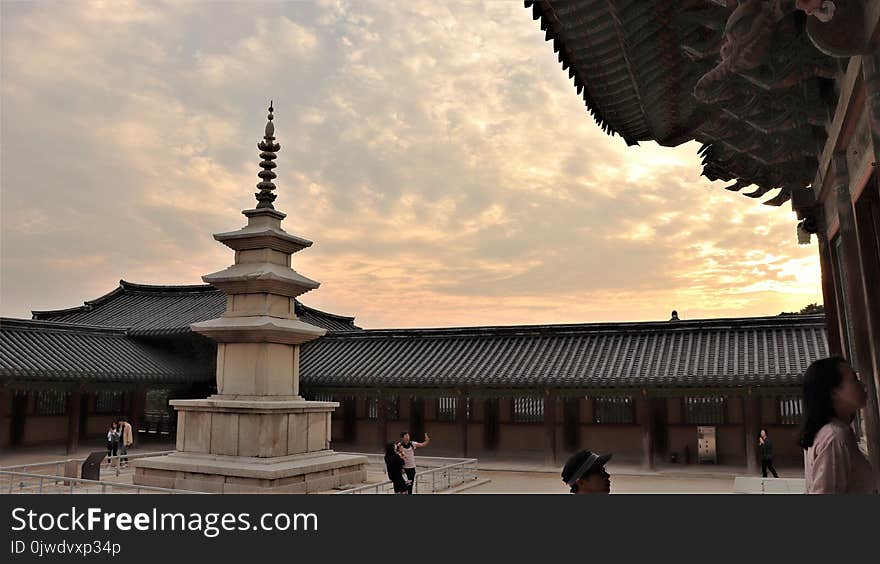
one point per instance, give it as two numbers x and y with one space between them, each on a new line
833 462
394 467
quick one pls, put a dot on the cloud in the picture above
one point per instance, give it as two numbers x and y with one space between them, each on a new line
436 154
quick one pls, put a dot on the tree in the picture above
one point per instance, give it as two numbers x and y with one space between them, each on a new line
811 309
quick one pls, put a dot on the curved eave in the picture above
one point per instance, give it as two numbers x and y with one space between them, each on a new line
549 21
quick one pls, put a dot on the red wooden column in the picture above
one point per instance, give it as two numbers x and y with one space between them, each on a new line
74 404
136 411
461 416
751 426
381 421
856 305
5 413
646 414
829 298
550 426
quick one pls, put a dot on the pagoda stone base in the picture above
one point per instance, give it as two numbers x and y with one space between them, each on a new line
305 473
229 444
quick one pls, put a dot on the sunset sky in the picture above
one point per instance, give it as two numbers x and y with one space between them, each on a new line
435 152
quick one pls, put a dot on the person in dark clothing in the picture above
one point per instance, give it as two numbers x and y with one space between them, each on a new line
394 467
766 454
584 473
112 442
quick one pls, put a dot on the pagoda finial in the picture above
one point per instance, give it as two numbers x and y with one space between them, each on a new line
268 147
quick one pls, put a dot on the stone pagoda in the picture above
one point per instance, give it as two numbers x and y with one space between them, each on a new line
257 434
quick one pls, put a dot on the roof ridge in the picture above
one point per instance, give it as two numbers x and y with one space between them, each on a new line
137 287
744 323
327 313
124 286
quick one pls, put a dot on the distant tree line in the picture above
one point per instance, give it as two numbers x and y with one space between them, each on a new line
810 309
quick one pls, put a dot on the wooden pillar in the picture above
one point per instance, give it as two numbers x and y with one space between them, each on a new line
550 426
829 298
855 305
417 418
751 426
647 428
136 412
349 427
5 418
571 423
381 421
461 416
868 215
18 418
74 404
490 424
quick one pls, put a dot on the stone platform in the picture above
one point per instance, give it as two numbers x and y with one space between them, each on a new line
252 446
306 473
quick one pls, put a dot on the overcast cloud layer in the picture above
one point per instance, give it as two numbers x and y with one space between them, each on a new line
435 152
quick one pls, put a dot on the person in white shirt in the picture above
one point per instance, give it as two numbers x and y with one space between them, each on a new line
408 449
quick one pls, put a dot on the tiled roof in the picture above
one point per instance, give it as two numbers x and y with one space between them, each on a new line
647 70
619 57
40 350
764 351
147 310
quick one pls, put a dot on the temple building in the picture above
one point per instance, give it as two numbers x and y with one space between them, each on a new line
537 391
782 95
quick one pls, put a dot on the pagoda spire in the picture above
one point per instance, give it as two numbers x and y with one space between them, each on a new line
268 147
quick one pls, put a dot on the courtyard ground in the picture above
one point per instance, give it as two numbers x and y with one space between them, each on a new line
505 476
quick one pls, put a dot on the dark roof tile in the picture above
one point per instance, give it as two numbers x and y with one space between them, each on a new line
148 311
719 352
40 350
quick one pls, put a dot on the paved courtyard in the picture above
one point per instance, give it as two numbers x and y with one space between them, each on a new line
504 476
544 482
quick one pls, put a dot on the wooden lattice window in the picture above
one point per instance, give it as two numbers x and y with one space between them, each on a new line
790 410
613 409
446 408
528 410
323 396
108 401
372 408
157 400
705 410
392 408
51 402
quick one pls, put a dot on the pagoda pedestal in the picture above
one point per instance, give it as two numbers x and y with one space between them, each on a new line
256 434
252 446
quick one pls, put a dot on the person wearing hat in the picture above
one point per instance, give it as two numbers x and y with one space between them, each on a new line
585 473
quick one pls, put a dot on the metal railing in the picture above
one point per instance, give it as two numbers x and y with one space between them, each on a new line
435 475
430 480
60 467
27 483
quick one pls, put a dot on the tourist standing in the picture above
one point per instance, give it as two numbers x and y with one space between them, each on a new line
408 448
585 473
833 462
394 467
112 442
125 440
766 454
